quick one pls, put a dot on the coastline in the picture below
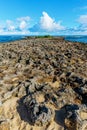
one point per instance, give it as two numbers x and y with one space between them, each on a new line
52 71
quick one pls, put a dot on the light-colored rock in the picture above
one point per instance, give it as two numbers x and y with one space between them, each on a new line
4 126
83 115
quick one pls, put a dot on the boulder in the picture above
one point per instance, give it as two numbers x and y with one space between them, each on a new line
76 118
39 114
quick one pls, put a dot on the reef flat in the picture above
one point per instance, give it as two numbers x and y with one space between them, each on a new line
43 84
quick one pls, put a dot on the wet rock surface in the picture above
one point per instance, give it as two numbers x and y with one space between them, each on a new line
43 85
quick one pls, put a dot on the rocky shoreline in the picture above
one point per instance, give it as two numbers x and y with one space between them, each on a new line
43 85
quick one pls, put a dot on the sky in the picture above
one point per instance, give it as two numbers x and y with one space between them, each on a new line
43 17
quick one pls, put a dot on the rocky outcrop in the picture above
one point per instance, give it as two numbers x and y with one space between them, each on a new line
43 85
39 114
74 119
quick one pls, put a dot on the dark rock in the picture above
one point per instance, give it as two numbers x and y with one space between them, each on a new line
82 91
68 54
27 61
19 59
73 120
68 74
39 87
39 113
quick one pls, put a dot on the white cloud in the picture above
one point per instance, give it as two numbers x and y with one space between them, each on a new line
48 24
9 22
23 25
18 26
27 18
15 32
82 27
9 25
23 22
45 25
11 28
1 30
83 19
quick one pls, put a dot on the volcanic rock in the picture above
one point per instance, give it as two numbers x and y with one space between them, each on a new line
39 114
38 78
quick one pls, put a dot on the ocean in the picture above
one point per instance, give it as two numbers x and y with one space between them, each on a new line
4 39
82 39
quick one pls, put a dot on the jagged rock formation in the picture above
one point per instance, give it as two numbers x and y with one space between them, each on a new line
38 113
43 85
74 119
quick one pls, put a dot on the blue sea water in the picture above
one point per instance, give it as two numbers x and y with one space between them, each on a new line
10 38
69 38
76 38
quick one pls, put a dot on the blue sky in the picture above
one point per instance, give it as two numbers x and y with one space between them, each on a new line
39 17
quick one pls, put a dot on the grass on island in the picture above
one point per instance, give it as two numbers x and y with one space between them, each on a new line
40 36
44 36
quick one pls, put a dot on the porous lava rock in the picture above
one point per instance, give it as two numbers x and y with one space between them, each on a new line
39 114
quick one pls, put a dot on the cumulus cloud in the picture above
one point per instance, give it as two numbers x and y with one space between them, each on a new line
18 26
82 25
23 22
80 29
23 25
83 19
9 25
11 28
47 23
27 18
1 30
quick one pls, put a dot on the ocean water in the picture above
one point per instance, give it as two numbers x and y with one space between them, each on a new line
82 39
10 38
